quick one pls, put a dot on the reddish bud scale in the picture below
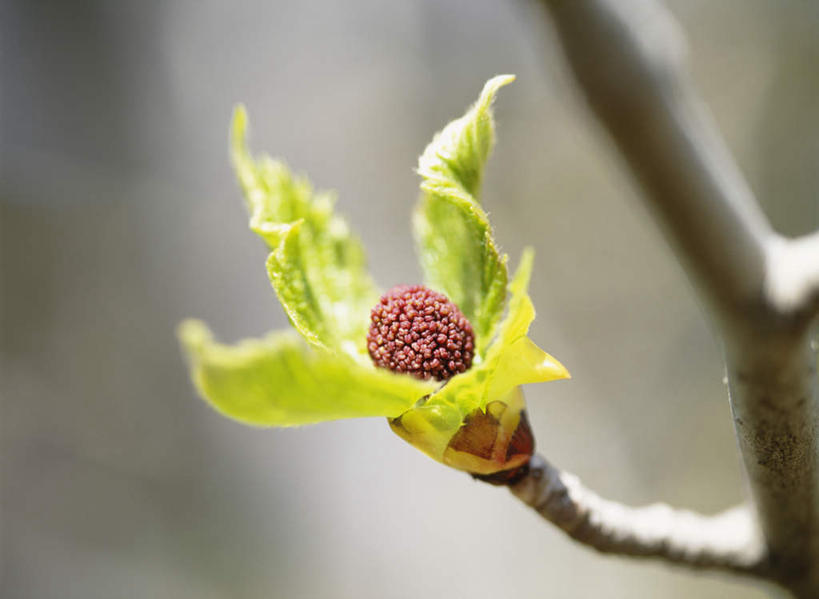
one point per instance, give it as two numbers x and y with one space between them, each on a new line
418 331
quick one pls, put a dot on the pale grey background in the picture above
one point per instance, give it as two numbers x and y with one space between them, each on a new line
119 216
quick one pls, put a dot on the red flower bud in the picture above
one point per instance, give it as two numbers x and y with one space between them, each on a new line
418 331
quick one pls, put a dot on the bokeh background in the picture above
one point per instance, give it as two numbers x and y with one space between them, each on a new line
119 216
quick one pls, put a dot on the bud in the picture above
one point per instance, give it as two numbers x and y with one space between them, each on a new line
417 331
493 445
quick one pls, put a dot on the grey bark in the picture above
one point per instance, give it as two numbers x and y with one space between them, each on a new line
725 541
760 289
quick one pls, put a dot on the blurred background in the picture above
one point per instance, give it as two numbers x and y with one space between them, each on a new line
119 216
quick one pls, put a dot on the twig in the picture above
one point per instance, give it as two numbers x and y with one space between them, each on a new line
762 291
725 541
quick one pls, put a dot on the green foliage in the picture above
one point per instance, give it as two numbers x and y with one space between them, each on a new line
458 252
316 266
280 381
512 360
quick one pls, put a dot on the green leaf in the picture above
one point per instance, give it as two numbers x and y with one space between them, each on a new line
458 252
512 360
281 381
317 267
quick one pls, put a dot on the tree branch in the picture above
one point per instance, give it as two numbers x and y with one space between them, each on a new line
725 541
628 56
761 290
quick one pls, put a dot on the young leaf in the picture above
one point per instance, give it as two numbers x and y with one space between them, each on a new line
317 267
512 360
458 252
281 381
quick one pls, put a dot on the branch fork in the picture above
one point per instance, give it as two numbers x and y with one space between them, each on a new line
760 289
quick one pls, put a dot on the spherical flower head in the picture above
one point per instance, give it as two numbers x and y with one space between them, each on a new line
418 331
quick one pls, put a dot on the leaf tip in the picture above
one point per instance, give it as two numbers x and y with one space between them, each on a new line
238 135
193 335
238 122
560 371
520 281
499 81
491 87
527 257
552 369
